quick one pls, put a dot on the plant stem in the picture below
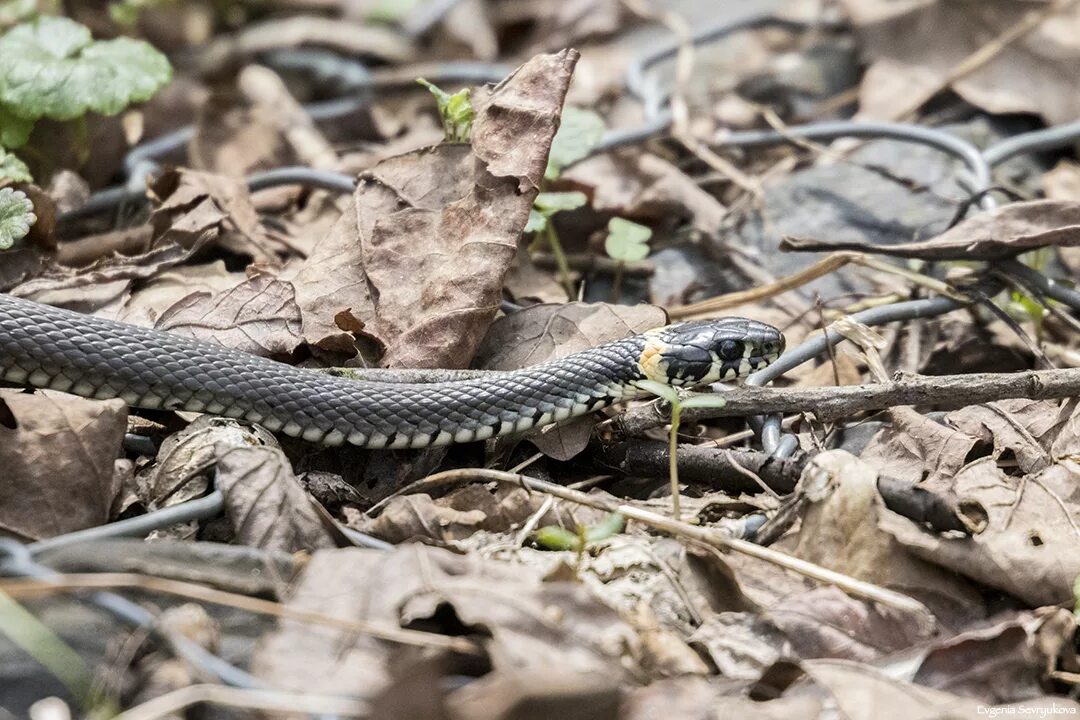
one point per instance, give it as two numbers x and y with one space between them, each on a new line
560 259
616 284
673 460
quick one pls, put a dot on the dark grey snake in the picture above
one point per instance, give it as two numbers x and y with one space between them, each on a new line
48 347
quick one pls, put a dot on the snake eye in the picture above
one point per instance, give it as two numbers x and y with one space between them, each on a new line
731 350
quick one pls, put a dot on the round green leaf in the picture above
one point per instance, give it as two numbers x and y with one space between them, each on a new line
579 132
550 203
627 241
57 70
16 216
14 130
12 168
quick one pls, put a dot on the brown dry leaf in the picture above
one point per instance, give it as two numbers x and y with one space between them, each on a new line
185 461
102 285
841 530
59 458
179 191
567 440
265 502
351 39
645 187
1030 546
914 44
1027 429
914 448
863 692
741 646
463 511
826 622
259 316
1006 662
992 235
421 256
236 140
145 305
541 333
524 624
695 698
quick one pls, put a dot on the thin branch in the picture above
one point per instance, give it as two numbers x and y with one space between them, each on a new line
711 537
944 392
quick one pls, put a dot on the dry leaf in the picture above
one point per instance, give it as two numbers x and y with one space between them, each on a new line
421 256
915 44
265 503
58 455
258 316
992 235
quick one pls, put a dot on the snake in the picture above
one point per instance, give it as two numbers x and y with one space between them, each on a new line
48 347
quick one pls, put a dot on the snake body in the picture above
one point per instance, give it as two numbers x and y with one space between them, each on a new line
48 347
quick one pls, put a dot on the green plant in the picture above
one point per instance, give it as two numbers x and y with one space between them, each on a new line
544 207
456 112
12 168
54 69
626 242
553 537
678 404
579 132
16 217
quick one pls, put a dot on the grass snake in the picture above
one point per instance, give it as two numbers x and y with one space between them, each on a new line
48 347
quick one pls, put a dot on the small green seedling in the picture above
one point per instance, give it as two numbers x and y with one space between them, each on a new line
544 207
456 112
554 537
626 242
16 217
678 404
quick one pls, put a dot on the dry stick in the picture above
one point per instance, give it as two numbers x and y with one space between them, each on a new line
708 307
985 54
705 535
172 703
73 582
946 392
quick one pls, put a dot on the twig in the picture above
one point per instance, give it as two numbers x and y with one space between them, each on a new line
73 582
276 701
699 464
984 54
714 305
832 403
711 537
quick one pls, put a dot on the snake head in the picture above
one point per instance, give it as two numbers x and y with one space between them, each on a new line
705 351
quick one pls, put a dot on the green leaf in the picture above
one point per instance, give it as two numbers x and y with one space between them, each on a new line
14 11
662 391
703 401
553 537
456 111
16 216
537 221
57 70
547 204
579 132
12 168
627 241
14 130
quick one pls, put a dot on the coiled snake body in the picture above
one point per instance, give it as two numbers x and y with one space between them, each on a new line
53 348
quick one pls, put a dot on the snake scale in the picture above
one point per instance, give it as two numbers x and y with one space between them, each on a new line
47 347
